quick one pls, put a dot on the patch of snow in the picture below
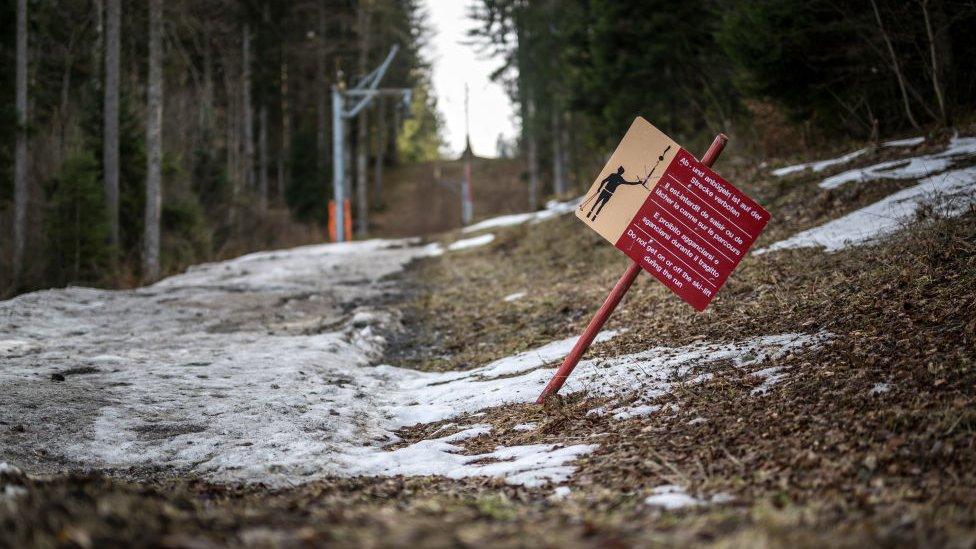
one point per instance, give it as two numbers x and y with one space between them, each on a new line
11 492
10 348
553 209
722 497
472 242
524 427
514 297
8 469
880 388
561 492
950 193
110 359
908 142
429 397
770 376
697 420
820 165
529 465
435 250
528 360
908 168
635 411
670 497
302 268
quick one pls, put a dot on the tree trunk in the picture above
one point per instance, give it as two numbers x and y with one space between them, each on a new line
284 152
232 127
248 108
97 54
393 150
362 134
362 154
154 144
532 156
206 112
380 151
110 144
322 92
936 66
20 148
895 66
62 120
569 147
558 160
263 157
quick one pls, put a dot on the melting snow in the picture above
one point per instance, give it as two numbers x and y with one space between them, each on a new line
258 370
907 168
822 165
819 165
553 209
11 492
628 412
951 194
672 496
529 465
8 491
770 376
253 370
15 347
880 388
524 427
561 492
472 242
514 297
909 142
8 469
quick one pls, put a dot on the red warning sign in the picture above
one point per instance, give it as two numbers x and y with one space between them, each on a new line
672 215
693 230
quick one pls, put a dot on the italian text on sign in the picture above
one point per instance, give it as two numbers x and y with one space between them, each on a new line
671 214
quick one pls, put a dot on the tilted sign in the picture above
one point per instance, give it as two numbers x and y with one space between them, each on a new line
674 216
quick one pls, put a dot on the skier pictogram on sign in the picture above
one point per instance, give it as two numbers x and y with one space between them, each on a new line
682 222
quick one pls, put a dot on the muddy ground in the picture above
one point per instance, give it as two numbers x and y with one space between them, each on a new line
870 439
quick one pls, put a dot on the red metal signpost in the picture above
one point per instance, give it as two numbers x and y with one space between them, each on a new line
593 328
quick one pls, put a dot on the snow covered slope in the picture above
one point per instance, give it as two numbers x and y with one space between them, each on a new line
950 193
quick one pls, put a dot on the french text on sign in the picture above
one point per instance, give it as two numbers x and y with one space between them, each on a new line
689 228
701 226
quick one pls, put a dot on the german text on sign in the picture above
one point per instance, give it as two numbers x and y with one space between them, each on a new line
674 216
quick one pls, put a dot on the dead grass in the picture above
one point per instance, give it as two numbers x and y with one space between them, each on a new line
857 466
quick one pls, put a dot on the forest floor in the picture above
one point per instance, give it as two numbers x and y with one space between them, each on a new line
824 398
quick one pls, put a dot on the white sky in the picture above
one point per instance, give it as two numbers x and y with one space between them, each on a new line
455 64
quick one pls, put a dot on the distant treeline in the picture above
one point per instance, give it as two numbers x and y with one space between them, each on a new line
219 107
773 73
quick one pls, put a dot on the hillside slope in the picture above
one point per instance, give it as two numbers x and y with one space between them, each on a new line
825 397
423 198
